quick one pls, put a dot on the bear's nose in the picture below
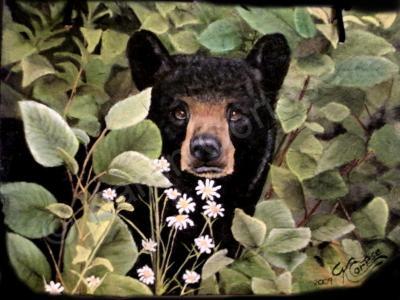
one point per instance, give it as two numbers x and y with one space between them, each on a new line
205 147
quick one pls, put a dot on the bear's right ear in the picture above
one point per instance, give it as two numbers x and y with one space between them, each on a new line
271 55
147 56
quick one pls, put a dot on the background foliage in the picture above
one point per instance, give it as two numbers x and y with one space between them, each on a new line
333 189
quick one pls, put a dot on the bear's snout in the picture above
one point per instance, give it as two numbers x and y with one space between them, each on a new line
205 148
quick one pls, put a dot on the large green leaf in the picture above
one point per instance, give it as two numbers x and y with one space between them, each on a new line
181 18
385 142
288 261
253 265
156 23
328 185
122 286
34 67
261 286
372 219
45 132
130 111
291 114
287 187
360 42
215 263
328 227
248 231
25 209
143 137
220 36
275 214
335 112
92 37
394 235
363 71
234 283
341 150
134 167
284 240
209 286
304 23
113 44
28 262
316 65
353 248
185 41
301 164
16 48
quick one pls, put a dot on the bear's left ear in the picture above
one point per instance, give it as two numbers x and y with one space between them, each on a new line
271 55
147 56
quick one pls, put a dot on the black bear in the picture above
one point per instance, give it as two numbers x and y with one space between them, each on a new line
216 119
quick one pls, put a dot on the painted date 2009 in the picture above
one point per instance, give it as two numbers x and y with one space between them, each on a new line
323 281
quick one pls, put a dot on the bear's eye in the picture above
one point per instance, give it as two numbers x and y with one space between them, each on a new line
180 114
235 115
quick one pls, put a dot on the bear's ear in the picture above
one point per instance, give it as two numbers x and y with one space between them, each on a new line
147 56
271 55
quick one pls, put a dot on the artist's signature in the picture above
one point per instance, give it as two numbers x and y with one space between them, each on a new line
356 269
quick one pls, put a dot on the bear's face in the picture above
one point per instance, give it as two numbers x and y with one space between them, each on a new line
213 113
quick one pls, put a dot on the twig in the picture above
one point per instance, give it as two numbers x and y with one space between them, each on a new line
73 92
59 276
309 215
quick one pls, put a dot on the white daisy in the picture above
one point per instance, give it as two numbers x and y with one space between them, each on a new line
149 245
207 190
162 164
109 194
93 282
146 274
213 210
54 288
204 243
191 277
185 204
172 193
179 221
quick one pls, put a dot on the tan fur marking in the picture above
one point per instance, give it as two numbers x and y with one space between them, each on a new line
210 118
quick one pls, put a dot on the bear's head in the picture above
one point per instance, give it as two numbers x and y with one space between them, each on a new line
215 114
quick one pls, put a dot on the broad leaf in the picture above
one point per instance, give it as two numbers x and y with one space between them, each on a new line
185 41
316 65
284 240
209 286
29 263
220 36
275 214
156 23
113 43
253 265
288 261
34 67
122 286
291 114
129 111
215 263
385 142
328 185
45 132
92 37
261 286
328 227
61 210
234 283
25 209
335 112
248 231
304 23
353 248
372 219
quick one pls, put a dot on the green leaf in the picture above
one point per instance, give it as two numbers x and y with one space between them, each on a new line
220 36
313 126
394 235
185 41
137 168
253 265
353 248
329 227
267 21
118 240
335 112
101 261
372 219
113 43
275 214
125 206
164 8
363 71
291 114
69 161
287 261
341 150
209 286
51 90
284 240
215 263
129 111
16 48
302 165
248 231
328 185
316 65
362 42
385 142
60 210
29 263
34 67
182 18
122 286
45 131
287 187
234 283
261 286
90 125
156 23
92 37
24 208
304 23
82 136
143 137
97 71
